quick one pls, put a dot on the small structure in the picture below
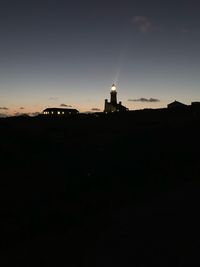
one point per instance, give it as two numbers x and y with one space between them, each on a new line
195 104
59 111
176 105
195 107
113 106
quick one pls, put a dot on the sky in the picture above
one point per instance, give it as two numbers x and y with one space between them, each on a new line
66 53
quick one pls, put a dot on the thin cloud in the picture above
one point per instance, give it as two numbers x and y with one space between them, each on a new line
143 24
53 98
35 114
21 108
4 108
2 115
95 109
19 114
142 99
64 105
185 30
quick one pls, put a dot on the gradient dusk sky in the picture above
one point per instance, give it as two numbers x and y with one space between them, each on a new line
56 52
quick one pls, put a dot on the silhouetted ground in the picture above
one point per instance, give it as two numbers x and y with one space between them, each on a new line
113 190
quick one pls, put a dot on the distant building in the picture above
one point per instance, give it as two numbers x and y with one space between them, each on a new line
59 111
195 107
176 104
113 106
195 104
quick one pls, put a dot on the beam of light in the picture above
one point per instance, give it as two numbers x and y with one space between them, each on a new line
117 75
120 64
122 55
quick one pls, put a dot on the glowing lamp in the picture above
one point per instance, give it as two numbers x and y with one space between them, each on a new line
113 88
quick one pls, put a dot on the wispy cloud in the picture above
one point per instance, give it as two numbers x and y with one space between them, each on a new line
142 99
2 115
35 114
95 109
185 30
21 108
143 23
53 98
65 105
4 108
17 114
26 114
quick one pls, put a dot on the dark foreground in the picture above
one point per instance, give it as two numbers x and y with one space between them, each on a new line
120 190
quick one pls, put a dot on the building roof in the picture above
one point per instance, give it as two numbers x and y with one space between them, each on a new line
195 103
176 104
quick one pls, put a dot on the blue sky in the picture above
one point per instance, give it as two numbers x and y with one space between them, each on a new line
70 52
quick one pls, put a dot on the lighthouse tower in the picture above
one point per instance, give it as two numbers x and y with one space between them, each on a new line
113 95
113 106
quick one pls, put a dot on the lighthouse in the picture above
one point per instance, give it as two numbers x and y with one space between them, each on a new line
113 95
113 106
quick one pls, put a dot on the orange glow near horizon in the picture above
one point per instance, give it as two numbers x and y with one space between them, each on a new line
82 108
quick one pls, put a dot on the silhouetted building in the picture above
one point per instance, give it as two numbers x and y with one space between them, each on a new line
195 104
176 104
113 106
195 107
59 111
